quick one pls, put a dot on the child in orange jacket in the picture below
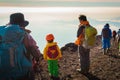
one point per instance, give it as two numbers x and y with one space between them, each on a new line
52 53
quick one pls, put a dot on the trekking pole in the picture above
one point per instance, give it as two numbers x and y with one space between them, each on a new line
118 49
78 55
78 51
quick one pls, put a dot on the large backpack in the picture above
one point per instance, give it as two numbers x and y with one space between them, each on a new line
105 33
13 62
90 35
52 52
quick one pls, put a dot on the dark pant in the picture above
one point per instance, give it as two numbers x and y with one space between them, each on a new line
84 59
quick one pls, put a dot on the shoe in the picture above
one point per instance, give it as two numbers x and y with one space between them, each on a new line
51 78
108 50
82 72
104 52
55 78
78 70
118 54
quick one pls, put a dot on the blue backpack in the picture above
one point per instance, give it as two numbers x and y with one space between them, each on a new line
13 62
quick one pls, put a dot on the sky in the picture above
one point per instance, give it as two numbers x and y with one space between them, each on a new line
61 16
60 3
98 11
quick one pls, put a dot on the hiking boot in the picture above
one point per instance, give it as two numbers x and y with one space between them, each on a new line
82 72
78 70
51 78
104 51
108 50
56 78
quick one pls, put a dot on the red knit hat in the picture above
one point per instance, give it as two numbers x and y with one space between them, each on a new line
49 37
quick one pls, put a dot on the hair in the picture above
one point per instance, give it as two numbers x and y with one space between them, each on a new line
82 17
107 24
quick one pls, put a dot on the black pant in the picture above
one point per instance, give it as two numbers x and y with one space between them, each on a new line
84 58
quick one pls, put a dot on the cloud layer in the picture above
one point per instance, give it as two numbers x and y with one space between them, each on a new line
60 3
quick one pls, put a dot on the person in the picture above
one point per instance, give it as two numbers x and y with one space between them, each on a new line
52 53
118 35
86 42
27 47
106 38
114 34
118 39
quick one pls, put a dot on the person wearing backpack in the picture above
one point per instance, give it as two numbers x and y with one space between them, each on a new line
114 40
118 36
52 53
118 41
106 38
114 33
16 41
86 36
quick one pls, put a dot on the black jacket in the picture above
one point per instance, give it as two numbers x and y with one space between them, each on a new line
80 30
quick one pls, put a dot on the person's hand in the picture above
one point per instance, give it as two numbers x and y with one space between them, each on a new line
37 59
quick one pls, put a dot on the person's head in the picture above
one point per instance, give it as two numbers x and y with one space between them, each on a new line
18 19
50 38
82 18
114 30
106 25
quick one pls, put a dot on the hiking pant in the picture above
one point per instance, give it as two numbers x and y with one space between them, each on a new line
118 40
106 43
53 67
84 59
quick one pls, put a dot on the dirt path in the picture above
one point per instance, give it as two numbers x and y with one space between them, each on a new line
102 67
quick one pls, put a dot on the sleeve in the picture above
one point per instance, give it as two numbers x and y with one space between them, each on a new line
31 45
80 30
101 32
45 53
110 33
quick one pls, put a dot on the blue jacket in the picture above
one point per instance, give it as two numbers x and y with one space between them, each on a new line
106 32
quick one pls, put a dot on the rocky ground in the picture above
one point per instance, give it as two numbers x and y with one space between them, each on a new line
102 67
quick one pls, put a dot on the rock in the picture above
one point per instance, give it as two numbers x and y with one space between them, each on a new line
102 67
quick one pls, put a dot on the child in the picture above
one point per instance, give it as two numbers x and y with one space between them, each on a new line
52 53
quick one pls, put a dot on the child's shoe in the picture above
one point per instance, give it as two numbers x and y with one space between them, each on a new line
56 78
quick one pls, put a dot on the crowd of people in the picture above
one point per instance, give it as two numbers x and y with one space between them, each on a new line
23 51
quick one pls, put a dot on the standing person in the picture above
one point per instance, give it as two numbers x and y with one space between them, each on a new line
20 45
114 33
118 39
86 35
52 53
106 37
118 35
